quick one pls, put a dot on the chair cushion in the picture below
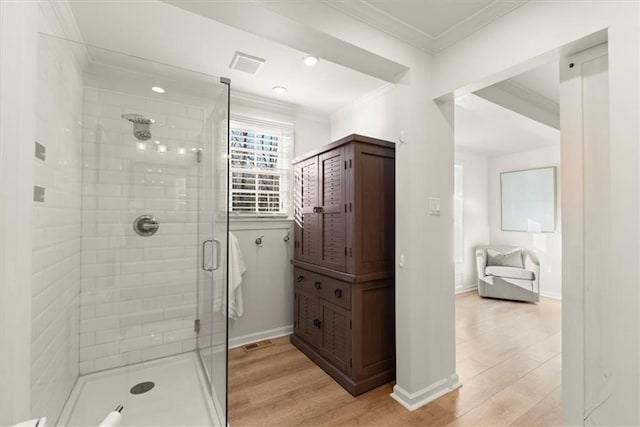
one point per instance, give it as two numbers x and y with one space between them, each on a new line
509 259
509 272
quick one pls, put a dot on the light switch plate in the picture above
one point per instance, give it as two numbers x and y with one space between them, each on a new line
434 206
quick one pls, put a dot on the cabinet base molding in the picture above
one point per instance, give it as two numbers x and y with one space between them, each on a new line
353 387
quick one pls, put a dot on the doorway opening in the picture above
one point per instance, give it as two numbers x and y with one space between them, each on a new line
512 140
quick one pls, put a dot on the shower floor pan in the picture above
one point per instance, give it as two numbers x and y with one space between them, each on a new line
179 396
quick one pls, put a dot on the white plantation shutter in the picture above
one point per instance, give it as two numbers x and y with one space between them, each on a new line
260 166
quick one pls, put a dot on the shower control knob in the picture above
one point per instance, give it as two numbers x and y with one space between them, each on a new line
145 225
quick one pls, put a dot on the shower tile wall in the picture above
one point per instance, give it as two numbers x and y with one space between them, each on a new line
56 230
138 299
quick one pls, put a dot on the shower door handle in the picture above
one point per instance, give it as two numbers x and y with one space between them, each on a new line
204 253
218 251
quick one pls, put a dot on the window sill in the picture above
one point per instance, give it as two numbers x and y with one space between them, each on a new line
260 223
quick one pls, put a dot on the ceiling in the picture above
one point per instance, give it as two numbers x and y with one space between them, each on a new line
544 80
430 25
485 127
161 32
203 36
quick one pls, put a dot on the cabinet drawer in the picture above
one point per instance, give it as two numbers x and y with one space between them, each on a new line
328 288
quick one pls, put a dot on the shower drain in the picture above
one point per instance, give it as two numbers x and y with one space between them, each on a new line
142 387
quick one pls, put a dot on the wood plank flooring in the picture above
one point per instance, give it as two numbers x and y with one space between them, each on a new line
508 359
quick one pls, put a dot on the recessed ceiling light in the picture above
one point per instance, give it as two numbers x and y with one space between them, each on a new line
157 89
279 89
162 148
311 60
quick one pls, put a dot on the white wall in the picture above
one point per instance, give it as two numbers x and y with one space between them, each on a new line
18 83
56 228
267 283
476 212
311 132
425 356
548 246
549 26
370 115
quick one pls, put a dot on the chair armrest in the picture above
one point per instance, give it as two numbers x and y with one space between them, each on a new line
481 262
531 262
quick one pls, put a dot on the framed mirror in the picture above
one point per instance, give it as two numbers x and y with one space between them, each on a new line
528 200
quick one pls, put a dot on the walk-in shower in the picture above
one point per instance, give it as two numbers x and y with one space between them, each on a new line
130 246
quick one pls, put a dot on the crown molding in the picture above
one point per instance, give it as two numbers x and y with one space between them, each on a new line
66 20
256 101
292 111
367 13
490 13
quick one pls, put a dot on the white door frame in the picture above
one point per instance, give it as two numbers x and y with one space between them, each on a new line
18 50
580 176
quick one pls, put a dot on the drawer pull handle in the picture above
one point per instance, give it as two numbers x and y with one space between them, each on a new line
300 279
338 293
317 285
317 323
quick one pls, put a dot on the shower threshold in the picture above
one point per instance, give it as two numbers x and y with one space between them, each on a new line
179 396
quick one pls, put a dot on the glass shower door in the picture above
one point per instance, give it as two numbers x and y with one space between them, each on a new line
213 229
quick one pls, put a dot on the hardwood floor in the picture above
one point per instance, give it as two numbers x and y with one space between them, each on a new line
508 359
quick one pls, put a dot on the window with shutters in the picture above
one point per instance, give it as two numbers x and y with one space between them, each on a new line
260 167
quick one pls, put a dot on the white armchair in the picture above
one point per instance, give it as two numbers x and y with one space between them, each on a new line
505 274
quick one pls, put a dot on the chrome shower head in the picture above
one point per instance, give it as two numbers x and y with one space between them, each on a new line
141 126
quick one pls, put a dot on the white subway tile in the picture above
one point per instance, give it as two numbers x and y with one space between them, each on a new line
189 345
140 318
144 341
99 324
96 351
87 339
161 351
136 292
86 367
179 335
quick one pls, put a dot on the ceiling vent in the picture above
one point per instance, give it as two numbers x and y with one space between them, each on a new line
246 63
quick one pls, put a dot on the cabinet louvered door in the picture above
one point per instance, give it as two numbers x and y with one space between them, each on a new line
333 249
336 335
307 317
307 220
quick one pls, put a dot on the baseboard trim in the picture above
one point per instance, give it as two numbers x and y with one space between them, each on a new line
413 401
552 296
258 336
465 290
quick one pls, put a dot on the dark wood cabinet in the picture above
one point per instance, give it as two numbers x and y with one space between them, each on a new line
344 260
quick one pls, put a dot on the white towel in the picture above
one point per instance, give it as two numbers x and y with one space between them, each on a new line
236 270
